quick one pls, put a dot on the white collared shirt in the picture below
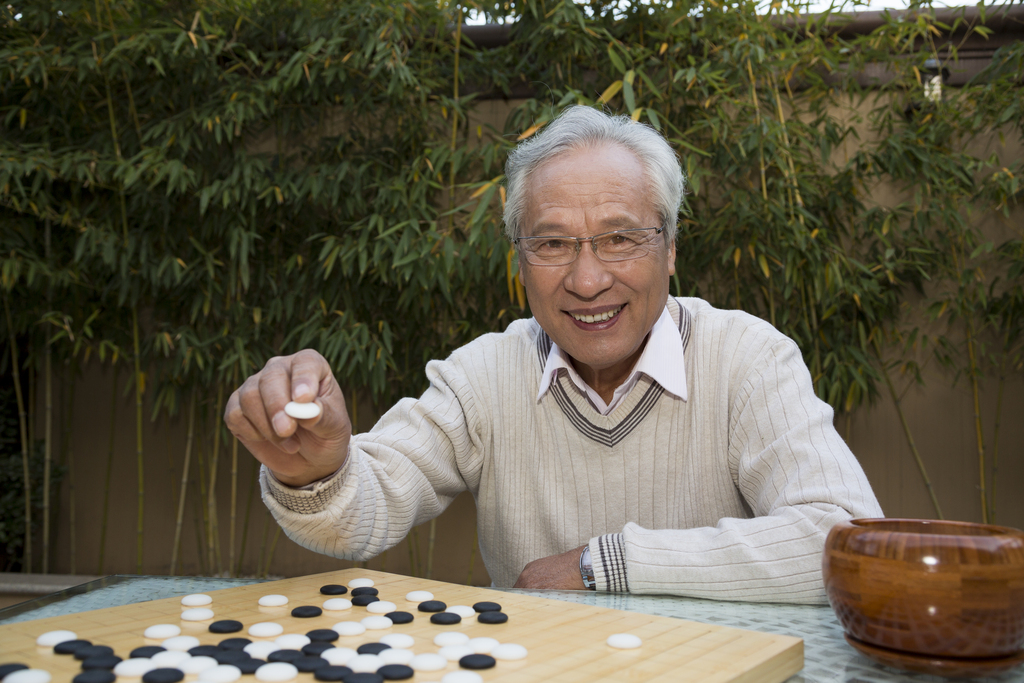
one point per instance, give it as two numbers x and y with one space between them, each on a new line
661 360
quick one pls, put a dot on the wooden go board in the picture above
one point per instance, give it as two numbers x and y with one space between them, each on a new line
566 641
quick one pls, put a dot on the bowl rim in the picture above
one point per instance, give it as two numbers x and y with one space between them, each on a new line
987 530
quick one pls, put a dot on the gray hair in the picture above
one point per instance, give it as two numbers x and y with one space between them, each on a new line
579 127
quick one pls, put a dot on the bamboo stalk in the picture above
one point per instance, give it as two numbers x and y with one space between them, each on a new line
110 469
23 431
68 457
234 491
48 418
455 116
184 482
138 437
979 434
253 486
430 548
270 553
212 534
906 431
995 448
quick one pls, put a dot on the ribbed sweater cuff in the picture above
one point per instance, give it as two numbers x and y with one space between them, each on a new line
608 553
308 500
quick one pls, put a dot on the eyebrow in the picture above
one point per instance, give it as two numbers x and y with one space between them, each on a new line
609 225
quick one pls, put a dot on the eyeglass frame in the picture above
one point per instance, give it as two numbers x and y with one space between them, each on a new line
579 245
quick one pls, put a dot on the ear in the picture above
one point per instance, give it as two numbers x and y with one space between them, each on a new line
671 259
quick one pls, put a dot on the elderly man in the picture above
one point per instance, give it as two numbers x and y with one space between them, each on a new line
621 439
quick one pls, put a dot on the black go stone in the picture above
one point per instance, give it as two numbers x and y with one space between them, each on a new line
284 655
396 672
68 647
231 656
226 626
372 648
364 590
164 675
315 648
477 662
333 589
308 664
100 662
84 653
204 650
249 666
432 606
11 668
492 617
146 651
307 611
364 600
399 617
332 673
445 618
364 678
322 635
234 643
95 676
487 607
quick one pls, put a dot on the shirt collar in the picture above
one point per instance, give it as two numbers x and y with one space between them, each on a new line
661 360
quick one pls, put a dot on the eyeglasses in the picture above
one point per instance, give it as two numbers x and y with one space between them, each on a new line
619 245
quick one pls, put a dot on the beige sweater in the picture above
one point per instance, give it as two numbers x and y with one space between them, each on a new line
728 495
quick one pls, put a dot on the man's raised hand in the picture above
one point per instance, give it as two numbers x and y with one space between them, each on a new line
296 451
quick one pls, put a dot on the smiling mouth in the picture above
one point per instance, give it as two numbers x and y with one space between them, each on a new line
599 318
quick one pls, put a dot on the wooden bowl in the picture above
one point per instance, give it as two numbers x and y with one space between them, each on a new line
943 589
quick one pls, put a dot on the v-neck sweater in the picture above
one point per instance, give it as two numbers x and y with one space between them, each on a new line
728 495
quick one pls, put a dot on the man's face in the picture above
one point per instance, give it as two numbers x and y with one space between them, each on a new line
582 194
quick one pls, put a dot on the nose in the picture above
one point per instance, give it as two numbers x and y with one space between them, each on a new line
588 276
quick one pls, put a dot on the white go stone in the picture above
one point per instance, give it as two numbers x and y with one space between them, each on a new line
51 638
181 643
29 675
275 672
222 673
266 629
446 638
365 664
292 641
419 596
162 631
483 646
197 665
349 628
196 600
381 607
337 604
428 662
624 641
273 600
462 677
261 648
301 411
169 659
360 583
399 640
509 652
395 655
376 623
339 656
134 667
464 611
454 653
197 614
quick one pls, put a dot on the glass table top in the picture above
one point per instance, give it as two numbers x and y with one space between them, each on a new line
827 656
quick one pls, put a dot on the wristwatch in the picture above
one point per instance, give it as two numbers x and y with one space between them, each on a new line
587 570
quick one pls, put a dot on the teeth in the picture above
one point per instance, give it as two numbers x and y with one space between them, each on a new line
599 318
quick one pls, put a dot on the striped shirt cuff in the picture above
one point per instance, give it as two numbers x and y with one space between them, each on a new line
307 500
608 553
